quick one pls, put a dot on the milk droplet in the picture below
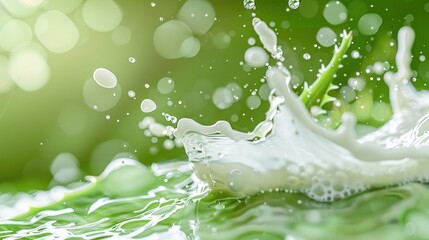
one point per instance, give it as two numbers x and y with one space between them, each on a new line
293 4
306 56
249 4
148 105
131 94
105 78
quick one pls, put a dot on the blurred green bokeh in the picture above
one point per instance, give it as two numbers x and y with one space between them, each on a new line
54 121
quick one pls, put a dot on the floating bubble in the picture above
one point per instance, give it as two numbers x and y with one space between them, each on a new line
294 4
101 15
5 81
148 105
256 57
56 31
199 15
121 35
326 37
235 90
29 70
100 98
143 124
105 78
158 129
381 112
335 12
20 8
131 60
165 85
409 18
357 84
222 40
190 47
169 37
168 144
264 91
15 35
223 98
253 102
347 93
65 168
251 41
369 23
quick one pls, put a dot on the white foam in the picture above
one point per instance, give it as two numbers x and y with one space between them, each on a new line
301 155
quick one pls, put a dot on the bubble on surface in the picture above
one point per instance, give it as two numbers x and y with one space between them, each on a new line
369 23
29 70
56 31
101 15
101 98
326 37
121 35
199 15
256 57
147 106
105 78
169 38
15 35
165 85
335 12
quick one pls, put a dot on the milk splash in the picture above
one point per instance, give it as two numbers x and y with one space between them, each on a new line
289 151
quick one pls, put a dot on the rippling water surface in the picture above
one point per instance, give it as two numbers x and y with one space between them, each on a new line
182 208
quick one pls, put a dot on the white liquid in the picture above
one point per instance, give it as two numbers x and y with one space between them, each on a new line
301 155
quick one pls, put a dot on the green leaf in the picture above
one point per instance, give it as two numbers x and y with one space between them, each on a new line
316 94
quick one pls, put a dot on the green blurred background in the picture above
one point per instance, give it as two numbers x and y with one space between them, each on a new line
49 50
